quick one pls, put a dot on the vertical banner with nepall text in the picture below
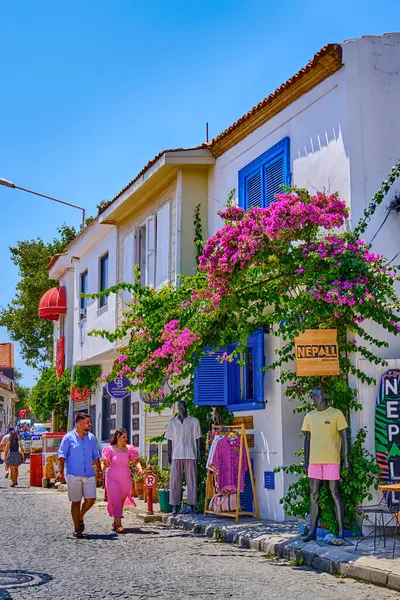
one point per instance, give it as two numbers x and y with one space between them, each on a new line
387 431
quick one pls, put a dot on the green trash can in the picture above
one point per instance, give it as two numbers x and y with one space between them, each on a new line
163 497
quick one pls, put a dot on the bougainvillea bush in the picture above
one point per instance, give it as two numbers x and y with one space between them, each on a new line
292 266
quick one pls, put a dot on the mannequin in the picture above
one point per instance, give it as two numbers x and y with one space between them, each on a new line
184 443
325 430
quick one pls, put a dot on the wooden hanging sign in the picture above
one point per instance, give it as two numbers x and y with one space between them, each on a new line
247 421
317 353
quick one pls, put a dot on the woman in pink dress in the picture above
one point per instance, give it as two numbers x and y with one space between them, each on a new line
116 458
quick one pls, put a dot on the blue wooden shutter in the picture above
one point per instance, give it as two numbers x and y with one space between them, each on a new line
233 378
273 178
259 181
247 496
211 380
254 190
256 342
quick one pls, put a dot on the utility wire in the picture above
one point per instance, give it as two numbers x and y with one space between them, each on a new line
394 258
381 225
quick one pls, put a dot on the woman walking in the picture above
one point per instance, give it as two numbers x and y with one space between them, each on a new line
116 458
14 456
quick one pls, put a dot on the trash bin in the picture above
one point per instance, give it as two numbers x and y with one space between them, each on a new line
163 496
35 463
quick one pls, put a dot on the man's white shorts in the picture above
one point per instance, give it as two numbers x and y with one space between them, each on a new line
80 487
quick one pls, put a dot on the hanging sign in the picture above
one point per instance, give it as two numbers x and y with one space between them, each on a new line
60 357
22 414
317 353
387 431
117 388
247 421
79 395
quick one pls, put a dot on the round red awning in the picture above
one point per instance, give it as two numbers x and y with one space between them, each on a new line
53 304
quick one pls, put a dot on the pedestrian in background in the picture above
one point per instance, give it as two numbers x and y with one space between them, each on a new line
77 453
14 456
116 459
4 443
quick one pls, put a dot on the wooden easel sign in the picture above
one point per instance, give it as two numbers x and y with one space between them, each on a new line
317 353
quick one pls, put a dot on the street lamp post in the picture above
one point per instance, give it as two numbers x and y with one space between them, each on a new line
10 184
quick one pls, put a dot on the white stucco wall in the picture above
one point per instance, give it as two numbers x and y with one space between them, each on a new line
344 137
68 282
372 73
317 128
89 349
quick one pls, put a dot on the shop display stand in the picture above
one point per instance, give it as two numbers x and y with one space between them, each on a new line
210 487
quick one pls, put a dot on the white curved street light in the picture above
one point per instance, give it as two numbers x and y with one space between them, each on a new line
10 184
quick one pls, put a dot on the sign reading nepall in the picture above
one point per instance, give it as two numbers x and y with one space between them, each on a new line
317 353
387 431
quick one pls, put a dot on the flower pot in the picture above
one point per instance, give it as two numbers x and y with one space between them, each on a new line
139 489
163 496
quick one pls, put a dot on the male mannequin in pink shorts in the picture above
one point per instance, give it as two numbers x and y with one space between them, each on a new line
325 430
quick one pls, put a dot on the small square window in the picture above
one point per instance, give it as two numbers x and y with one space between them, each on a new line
135 440
83 289
135 408
103 284
164 456
153 451
135 424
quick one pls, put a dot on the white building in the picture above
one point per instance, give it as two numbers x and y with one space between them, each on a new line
334 126
8 396
155 216
89 265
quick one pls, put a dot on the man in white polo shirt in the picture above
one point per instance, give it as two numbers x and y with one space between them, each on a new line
183 434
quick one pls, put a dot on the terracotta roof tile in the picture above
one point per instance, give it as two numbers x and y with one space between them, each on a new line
331 50
53 261
326 61
145 168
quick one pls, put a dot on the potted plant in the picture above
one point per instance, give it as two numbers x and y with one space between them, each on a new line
163 489
139 479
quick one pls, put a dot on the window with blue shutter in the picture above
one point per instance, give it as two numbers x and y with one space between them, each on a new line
238 387
259 181
211 380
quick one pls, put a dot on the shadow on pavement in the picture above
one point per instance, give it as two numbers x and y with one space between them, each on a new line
140 531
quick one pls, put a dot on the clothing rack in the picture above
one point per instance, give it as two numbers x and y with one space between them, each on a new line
210 487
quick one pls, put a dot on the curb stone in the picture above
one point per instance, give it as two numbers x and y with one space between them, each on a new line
291 550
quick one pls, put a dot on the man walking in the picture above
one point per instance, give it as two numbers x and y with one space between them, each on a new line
4 442
78 452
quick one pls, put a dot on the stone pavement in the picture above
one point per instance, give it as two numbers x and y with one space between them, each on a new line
282 540
39 559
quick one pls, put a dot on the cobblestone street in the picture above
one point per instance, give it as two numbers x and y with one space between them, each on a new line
148 562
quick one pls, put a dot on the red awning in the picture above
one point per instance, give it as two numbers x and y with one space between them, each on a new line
53 304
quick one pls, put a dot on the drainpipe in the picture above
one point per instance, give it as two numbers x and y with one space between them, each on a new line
178 246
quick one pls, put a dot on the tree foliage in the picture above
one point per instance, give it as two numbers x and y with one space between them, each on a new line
20 316
52 394
22 391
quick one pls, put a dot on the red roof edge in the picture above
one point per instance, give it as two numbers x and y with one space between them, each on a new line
147 166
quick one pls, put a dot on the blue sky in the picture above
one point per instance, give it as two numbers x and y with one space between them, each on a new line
91 90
